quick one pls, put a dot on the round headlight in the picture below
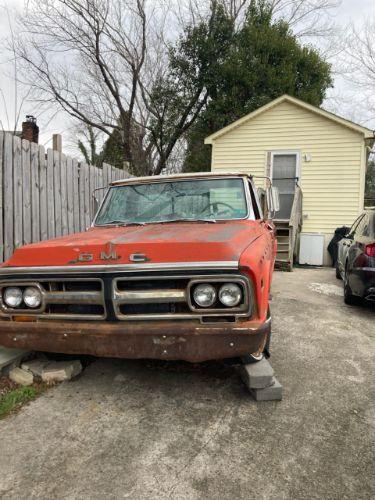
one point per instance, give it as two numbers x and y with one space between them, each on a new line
32 297
204 295
230 294
13 296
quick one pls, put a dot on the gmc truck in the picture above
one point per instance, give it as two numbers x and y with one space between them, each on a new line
173 267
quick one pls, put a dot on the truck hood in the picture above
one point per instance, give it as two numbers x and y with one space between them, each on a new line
168 242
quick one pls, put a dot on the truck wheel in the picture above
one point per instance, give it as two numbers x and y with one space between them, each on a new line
251 358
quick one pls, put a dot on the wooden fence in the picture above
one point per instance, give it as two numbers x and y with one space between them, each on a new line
44 194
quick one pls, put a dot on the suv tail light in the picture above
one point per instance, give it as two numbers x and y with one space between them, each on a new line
370 250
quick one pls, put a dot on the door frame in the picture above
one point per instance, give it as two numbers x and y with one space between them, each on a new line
295 152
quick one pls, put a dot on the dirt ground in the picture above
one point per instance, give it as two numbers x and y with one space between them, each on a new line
149 430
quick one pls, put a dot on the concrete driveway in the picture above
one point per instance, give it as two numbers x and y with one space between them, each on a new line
149 430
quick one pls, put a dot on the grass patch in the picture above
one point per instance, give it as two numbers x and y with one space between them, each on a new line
15 398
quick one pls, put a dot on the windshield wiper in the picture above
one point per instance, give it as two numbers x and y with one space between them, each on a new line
166 221
181 220
121 223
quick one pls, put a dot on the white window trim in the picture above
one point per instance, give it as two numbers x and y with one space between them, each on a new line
295 152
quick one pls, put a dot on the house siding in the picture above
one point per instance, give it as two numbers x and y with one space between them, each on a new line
332 182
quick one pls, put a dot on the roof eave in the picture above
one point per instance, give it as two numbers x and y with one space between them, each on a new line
368 133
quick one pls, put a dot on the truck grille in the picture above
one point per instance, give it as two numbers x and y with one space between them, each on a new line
128 297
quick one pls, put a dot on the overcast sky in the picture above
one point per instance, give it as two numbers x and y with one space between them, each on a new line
343 99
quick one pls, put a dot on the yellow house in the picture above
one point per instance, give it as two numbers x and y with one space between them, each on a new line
297 144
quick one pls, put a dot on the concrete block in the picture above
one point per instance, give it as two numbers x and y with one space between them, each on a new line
59 371
21 377
257 375
273 392
35 366
9 356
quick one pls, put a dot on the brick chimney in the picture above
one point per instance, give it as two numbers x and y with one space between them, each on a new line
30 130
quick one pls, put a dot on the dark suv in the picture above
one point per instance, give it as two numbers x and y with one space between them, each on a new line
356 260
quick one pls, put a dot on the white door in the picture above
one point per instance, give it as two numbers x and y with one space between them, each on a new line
284 174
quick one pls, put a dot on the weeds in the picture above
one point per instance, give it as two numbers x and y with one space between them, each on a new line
15 398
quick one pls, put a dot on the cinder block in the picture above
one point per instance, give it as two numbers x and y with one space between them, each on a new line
21 377
9 356
35 366
61 370
257 375
273 392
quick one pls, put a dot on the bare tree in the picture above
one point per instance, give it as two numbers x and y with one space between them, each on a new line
307 18
14 107
90 56
101 61
359 65
105 63
74 52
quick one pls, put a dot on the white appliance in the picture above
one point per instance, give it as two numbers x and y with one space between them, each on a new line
311 249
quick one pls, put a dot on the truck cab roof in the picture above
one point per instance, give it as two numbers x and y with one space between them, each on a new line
173 177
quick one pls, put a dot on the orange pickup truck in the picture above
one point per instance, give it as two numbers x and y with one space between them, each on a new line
173 267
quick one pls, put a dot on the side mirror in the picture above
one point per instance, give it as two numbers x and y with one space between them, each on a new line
273 199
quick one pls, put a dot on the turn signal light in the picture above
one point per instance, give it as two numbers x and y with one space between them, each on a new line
370 250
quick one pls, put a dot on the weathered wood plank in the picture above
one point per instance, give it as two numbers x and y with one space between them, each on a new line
91 170
26 193
17 191
8 196
57 191
81 196
101 191
75 176
43 206
69 194
110 170
64 195
50 195
105 174
1 197
35 192
86 196
94 193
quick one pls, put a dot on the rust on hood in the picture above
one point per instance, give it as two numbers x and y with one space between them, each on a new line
172 242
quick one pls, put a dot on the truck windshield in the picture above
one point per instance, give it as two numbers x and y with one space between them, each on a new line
193 200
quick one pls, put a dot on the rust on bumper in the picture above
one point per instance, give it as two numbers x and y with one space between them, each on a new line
179 340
